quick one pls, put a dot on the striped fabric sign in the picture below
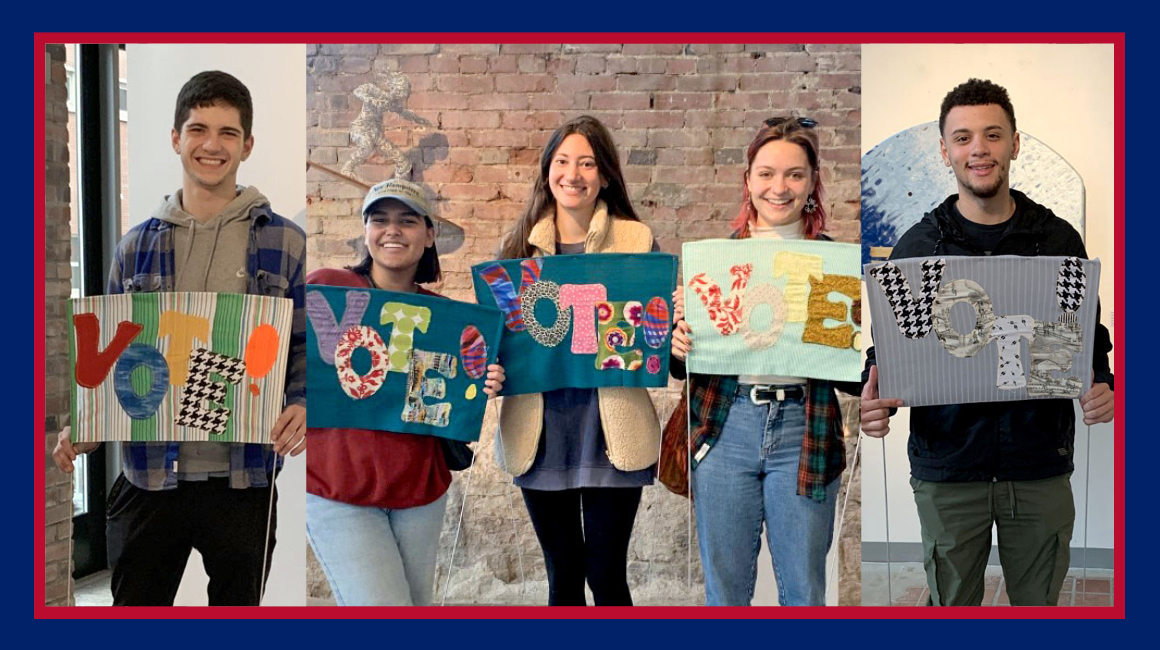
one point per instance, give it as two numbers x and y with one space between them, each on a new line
773 307
181 366
958 330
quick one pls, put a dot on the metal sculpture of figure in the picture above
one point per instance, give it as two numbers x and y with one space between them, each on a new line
366 132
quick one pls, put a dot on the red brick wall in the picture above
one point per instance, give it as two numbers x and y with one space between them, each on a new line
681 116
57 273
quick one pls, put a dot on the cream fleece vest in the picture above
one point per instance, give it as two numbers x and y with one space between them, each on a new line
632 431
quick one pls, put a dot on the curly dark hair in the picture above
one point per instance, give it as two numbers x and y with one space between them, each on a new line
976 92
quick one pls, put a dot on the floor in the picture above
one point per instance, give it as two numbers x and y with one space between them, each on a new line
908 586
94 590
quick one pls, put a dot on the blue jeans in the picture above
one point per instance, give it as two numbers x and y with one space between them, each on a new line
750 476
376 556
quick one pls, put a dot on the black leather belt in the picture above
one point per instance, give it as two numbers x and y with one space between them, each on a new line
766 394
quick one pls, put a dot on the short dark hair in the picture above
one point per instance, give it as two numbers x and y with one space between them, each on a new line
976 92
210 88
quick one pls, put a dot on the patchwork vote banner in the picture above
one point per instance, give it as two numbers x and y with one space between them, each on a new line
582 321
178 366
401 362
955 330
774 307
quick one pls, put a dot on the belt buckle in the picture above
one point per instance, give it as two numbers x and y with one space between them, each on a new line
779 395
753 397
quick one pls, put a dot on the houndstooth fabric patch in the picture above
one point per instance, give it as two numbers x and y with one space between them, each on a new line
201 387
912 316
1071 285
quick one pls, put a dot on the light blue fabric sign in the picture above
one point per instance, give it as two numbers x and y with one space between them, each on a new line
774 307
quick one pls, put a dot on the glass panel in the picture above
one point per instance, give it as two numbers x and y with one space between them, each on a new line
123 75
81 476
81 486
74 206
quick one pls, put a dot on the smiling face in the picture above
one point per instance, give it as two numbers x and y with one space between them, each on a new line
396 235
573 175
779 182
212 145
979 144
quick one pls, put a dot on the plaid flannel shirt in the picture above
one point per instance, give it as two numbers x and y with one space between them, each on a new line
145 262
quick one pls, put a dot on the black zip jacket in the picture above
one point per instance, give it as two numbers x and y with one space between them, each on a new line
996 441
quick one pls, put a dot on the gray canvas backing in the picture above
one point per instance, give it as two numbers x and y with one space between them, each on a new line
922 372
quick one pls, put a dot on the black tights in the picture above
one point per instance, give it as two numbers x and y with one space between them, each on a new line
597 551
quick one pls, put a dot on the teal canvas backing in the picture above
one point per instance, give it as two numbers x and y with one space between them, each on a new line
613 328
400 362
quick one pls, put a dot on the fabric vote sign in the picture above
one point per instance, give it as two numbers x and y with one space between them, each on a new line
954 330
184 366
582 321
400 362
774 307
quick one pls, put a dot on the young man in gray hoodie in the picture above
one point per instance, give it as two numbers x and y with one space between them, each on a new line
211 235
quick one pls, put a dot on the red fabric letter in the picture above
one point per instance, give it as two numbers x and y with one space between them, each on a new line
93 365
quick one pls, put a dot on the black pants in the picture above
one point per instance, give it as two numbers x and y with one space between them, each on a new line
150 535
598 550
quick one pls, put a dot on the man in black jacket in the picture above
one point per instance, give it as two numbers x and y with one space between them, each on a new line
1002 463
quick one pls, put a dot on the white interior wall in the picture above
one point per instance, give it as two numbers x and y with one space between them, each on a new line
276 77
1064 96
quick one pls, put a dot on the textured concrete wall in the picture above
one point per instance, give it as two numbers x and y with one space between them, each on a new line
57 276
681 116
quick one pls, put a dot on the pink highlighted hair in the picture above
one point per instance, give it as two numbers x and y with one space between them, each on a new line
790 130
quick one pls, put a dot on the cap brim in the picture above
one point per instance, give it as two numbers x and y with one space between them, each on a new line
405 201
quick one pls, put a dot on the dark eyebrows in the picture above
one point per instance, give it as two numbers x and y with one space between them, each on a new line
224 129
560 154
993 127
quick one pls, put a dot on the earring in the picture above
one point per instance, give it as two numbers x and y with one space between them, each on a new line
811 205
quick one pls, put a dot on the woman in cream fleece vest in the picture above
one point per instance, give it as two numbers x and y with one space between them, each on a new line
580 455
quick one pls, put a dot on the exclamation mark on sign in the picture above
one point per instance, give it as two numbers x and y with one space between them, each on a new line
261 353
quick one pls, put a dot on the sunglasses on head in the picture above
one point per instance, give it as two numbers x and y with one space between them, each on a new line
804 122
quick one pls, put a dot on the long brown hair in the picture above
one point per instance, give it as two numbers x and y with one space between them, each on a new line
615 194
791 130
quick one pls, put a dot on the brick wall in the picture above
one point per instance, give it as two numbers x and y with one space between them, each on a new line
57 273
681 116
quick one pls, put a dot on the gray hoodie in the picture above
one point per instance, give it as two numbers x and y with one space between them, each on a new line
209 256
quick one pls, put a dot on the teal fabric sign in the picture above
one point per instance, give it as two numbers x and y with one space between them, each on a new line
582 321
399 362
774 307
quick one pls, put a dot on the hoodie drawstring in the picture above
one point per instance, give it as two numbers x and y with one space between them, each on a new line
217 231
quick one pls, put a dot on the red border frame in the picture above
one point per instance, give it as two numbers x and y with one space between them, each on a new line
40 610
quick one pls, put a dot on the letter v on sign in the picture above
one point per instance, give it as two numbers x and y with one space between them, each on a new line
326 330
93 364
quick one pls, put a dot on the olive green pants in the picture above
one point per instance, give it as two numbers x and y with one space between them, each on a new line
1035 520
